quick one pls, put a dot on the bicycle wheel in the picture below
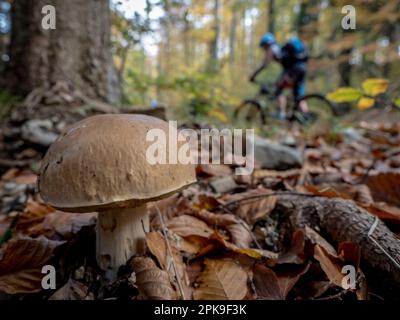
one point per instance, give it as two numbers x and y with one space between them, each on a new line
322 111
250 113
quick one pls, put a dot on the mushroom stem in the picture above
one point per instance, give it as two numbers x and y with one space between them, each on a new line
120 235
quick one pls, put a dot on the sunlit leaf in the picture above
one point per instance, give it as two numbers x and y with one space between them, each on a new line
397 102
374 87
345 94
219 115
366 103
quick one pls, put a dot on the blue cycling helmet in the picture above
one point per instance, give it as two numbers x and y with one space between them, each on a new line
267 39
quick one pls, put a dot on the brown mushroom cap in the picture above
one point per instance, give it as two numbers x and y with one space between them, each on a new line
100 163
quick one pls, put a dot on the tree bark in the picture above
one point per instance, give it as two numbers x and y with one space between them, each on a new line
214 44
232 34
271 16
345 221
77 52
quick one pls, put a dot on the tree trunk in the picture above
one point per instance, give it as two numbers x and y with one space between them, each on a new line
345 68
232 34
77 52
214 44
271 16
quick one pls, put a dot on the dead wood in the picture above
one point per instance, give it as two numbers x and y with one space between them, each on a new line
344 221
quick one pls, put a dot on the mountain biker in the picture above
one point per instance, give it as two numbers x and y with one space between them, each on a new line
293 57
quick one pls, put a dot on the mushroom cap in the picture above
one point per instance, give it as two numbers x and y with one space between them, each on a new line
100 163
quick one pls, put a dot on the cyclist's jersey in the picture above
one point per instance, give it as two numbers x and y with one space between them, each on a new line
276 52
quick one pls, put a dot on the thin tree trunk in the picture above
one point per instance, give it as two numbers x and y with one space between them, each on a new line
214 44
271 16
232 35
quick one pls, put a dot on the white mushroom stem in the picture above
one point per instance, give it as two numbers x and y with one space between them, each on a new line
120 235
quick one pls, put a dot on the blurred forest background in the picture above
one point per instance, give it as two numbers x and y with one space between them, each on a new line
180 52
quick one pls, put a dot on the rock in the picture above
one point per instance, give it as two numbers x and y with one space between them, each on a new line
275 156
353 134
223 184
39 132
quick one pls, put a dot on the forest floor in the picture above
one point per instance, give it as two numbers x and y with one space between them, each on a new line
272 235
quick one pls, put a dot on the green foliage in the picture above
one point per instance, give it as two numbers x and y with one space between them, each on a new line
366 97
397 102
345 94
7 101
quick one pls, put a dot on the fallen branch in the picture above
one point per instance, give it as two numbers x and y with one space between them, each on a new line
344 221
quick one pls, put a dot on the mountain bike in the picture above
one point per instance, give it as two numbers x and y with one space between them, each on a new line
262 108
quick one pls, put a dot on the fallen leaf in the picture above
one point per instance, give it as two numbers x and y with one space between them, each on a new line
385 187
315 238
72 290
21 263
288 279
218 243
221 280
384 211
238 230
331 265
64 223
254 209
207 202
214 170
359 193
295 254
152 282
266 283
350 254
240 235
158 247
33 214
186 226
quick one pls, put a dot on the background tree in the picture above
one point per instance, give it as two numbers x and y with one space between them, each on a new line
77 52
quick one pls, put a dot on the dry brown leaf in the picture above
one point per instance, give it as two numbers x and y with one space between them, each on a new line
350 253
72 290
158 247
384 211
207 202
315 238
255 209
21 263
385 187
288 279
19 176
240 235
238 230
296 252
266 283
221 280
64 223
218 243
270 285
331 265
186 226
213 170
359 193
152 282
214 219
33 214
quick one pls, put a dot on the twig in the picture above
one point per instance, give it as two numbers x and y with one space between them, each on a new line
261 196
251 234
339 295
165 233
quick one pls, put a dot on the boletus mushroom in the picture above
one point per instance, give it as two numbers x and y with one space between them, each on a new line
100 164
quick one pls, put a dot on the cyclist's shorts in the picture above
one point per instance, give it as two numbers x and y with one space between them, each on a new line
294 78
